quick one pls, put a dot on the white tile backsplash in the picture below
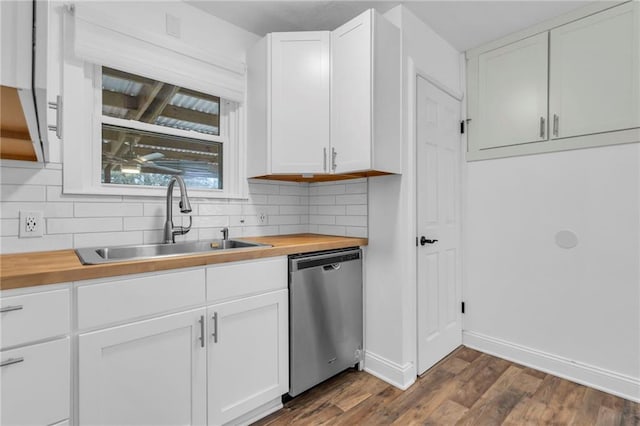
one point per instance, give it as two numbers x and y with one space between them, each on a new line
336 208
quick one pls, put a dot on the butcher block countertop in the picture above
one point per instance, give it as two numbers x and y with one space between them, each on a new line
49 267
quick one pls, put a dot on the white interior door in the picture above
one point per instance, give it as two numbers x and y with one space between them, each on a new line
438 217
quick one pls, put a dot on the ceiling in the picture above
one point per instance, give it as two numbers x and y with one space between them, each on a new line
464 24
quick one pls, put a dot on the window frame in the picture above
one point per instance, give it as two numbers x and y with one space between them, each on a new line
86 163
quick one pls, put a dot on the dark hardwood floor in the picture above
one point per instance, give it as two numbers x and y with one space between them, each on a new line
466 388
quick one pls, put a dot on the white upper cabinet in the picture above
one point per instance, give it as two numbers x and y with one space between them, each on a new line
321 103
16 18
288 104
365 95
299 102
570 83
513 91
594 73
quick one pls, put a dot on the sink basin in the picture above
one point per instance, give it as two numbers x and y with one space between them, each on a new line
97 255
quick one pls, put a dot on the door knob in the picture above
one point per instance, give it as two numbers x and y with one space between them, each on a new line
424 241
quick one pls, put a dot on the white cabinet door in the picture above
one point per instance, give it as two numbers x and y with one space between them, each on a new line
248 354
300 125
351 53
35 384
512 93
16 18
147 373
594 73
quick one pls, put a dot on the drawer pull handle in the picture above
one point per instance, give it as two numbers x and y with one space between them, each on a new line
10 308
201 338
215 327
11 361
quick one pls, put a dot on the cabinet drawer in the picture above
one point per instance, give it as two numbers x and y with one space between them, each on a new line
126 299
36 387
32 317
229 280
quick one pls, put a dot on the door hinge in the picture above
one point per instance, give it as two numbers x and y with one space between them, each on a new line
462 306
462 127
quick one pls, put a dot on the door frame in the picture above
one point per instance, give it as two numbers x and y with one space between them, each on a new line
414 73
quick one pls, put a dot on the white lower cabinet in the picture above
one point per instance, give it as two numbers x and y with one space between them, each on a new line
35 384
149 372
248 354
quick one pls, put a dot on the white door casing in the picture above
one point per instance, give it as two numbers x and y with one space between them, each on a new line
438 218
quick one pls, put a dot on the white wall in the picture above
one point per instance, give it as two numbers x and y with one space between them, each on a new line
581 306
390 271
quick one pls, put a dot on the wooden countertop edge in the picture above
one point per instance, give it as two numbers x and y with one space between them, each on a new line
75 271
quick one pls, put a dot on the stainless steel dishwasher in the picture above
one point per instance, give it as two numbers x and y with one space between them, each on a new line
325 316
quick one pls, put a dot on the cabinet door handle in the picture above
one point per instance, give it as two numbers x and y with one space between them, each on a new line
57 105
542 120
556 120
11 308
201 321
215 327
334 154
324 159
11 361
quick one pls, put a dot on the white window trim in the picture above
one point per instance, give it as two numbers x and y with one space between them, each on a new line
85 165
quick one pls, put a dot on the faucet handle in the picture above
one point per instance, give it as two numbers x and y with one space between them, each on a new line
181 230
225 233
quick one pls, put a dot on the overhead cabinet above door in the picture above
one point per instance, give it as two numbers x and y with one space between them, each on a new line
325 105
575 85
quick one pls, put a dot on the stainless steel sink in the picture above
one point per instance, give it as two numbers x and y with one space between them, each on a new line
97 255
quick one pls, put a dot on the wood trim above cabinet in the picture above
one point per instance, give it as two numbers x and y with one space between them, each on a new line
15 140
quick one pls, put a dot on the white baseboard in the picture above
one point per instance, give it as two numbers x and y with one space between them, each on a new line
608 381
400 376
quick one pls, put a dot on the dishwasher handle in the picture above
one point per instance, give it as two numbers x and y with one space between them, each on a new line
327 261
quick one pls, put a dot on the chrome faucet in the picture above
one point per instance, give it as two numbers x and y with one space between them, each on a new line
171 231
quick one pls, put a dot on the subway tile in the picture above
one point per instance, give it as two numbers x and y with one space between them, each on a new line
356 188
259 231
143 223
47 242
80 225
284 220
322 199
22 176
295 189
210 221
8 227
264 188
107 210
219 209
356 231
302 209
351 199
332 210
327 190
252 209
243 220
215 233
22 193
284 199
357 210
351 220
96 239
322 220
332 230
258 199
12 210
153 236
313 229
293 229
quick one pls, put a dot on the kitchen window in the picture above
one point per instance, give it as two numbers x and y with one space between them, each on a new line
151 130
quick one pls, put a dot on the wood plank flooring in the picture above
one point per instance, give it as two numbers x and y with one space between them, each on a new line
466 388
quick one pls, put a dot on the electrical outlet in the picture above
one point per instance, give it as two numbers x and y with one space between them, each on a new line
262 216
31 224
